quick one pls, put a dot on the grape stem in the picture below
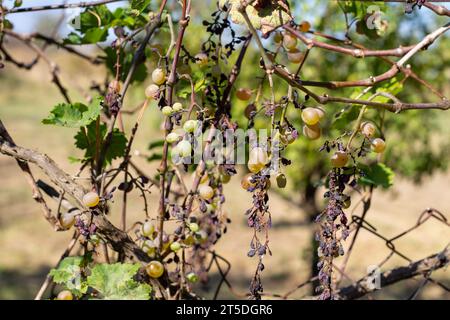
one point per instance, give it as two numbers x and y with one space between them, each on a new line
184 21
363 109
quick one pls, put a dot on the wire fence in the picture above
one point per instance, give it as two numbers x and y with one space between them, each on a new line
421 270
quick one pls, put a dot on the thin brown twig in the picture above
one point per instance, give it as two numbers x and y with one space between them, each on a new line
84 4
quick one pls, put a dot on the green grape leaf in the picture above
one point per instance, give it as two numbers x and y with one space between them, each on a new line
7 24
377 174
200 85
140 5
68 273
92 26
115 282
73 38
266 17
392 87
95 17
75 159
345 117
74 115
85 139
95 35
184 92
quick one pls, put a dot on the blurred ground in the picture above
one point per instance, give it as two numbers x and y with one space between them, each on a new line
29 247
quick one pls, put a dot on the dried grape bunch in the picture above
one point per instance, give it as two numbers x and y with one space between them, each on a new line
260 220
332 228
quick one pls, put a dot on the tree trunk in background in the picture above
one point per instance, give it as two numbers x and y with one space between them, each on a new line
310 206
309 201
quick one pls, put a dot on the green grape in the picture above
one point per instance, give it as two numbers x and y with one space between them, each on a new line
320 111
159 76
339 159
64 295
346 203
94 239
378 145
175 246
190 125
151 252
192 277
151 91
255 167
246 182
176 155
184 148
172 137
210 207
225 178
368 129
281 180
310 116
177 107
203 179
312 132
295 55
167 111
155 269
257 159
194 227
201 236
67 220
278 37
205 192
148 228
189 241
289 41
147 244
91 199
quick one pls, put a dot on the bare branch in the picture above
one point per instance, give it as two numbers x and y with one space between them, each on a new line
354 52
440 10
83 4
420 267
37 195
50 40
399 106
412 50
118 239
